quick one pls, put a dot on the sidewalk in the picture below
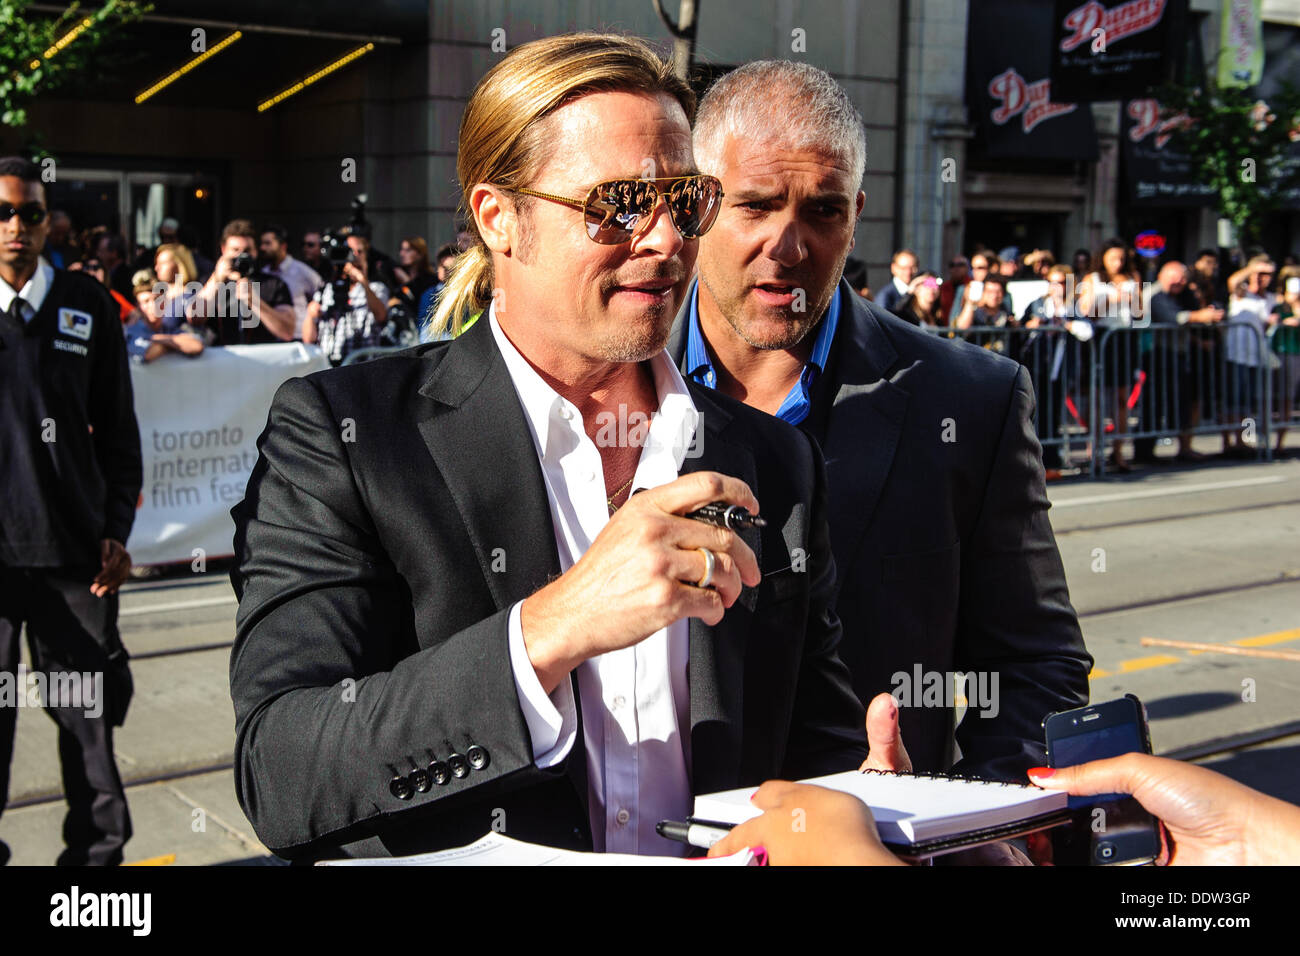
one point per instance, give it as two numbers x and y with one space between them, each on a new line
194 821
180 727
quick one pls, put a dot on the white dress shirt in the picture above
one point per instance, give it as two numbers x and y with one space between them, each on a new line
33 291
635 701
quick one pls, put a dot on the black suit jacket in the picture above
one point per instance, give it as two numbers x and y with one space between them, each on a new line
396 513
889 298
945 555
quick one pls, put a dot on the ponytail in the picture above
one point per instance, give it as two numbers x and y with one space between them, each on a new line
468 291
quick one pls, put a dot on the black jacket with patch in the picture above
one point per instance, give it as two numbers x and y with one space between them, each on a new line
69 441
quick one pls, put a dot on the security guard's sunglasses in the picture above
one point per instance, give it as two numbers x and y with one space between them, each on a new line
617 210
31 213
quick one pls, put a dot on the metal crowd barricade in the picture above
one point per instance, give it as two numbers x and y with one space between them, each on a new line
1059 367
1284 343
1164 381
1147 383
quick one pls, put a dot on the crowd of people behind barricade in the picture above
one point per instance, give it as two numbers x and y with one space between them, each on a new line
1216 338
1208 346
339 292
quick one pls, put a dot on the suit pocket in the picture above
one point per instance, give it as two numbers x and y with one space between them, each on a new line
778 586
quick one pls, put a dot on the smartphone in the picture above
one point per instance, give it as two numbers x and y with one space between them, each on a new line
976 290
1108 829
1293 285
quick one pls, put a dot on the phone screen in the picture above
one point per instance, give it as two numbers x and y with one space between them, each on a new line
1108 828
1106 742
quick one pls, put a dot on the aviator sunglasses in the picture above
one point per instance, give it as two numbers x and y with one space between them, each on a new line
31 213
615 211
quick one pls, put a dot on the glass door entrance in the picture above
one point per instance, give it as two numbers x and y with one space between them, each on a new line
134 204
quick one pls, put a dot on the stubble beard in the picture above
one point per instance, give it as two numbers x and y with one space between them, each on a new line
794 327
646 336
641 341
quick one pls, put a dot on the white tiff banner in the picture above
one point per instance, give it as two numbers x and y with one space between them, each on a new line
199 423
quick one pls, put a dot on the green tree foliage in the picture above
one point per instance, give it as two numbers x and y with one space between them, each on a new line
1244 147
31 60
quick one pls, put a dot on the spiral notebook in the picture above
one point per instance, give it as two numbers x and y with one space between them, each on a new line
920 813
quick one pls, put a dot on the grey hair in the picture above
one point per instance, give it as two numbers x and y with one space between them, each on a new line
814 110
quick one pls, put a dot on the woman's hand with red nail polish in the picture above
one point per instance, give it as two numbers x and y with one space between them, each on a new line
1210 819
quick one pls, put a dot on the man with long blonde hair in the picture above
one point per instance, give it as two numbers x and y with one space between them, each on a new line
470 599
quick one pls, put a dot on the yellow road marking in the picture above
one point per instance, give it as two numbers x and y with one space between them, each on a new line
1263 640
1277 637
166 859
1098 672
1142 663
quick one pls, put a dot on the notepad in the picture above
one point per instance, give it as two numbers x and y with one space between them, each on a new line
912 809
496 849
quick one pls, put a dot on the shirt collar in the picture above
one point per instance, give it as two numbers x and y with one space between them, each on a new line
555 422
699 366
33 291
826 334
900 285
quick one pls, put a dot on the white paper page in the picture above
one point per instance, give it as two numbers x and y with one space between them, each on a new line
496 849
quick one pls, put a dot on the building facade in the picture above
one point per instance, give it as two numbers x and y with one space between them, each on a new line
385 124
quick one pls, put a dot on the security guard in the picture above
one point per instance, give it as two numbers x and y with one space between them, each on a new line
70 464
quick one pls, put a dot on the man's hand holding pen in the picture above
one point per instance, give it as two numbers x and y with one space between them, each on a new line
650 566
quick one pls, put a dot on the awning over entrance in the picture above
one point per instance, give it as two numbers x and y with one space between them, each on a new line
278 45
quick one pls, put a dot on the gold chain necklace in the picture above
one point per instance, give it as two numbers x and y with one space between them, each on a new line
610 500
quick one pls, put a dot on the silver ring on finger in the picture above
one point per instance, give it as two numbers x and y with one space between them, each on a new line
710 562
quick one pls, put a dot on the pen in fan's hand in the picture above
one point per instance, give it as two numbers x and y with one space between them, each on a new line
727 516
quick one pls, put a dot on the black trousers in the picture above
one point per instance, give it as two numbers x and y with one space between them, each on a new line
69 630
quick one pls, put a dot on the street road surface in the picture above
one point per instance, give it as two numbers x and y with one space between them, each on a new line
1210 554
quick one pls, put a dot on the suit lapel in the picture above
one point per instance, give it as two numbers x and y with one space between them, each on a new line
864 427
677 336
479 417
478 409
865 422
717 654
509 518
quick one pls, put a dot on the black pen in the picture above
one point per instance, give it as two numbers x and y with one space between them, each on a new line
702 834
727 516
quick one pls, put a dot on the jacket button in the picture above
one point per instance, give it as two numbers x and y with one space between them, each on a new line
401 788
477 756
440 772
459 765
421 780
